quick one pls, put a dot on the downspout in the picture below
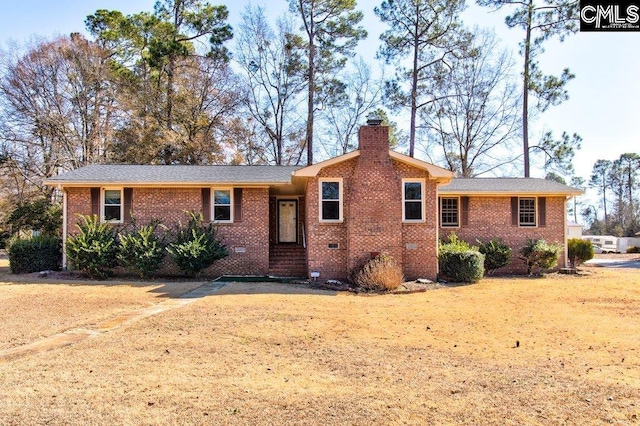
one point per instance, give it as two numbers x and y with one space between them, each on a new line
566 239
64 228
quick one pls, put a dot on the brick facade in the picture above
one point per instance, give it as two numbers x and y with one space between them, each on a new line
247 240
372 216
490 217
372 222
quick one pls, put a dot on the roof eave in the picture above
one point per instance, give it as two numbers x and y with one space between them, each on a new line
442 191
84 184
314 169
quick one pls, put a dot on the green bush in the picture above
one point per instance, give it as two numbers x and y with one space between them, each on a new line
142 250
196 246
579 251
458 261
94 249
633 249
35 254
381 273
538 255
496 254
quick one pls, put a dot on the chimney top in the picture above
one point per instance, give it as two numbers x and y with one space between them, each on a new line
373 119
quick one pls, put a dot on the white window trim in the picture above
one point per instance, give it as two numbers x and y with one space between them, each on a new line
442 224
341 200
422 183
535 212
102 203
213 204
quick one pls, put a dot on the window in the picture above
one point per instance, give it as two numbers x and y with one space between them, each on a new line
413 200
449 212
222 202
112 205
527 212
331 200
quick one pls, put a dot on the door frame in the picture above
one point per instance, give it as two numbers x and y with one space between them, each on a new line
295 202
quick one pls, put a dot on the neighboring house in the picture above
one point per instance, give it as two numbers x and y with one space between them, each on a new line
327 218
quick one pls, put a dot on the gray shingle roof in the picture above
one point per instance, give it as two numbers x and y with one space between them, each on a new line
507 186
149 174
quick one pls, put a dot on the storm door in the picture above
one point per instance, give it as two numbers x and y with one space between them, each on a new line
287 221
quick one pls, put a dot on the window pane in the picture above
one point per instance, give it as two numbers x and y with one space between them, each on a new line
413 210
112 196
413 191
111 212
449 208
222 213
330 190
222 197
527 212
331 210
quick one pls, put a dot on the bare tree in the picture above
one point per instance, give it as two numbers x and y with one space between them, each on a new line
57 108
473 122
360 95
273 66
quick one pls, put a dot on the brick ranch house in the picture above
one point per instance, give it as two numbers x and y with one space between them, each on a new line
329 217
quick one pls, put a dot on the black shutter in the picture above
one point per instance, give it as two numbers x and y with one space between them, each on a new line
128 204
514 211
206 204
542 211
95 201
237 204
464 216
440 211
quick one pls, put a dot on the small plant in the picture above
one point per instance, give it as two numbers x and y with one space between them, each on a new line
35 254
538 255
579 251
633 249
458 261
496 254
93 250
196 246
381 273
142 250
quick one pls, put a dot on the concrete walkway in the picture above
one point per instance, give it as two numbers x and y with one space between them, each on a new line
76 335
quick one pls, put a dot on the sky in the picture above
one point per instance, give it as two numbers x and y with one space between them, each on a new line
604 104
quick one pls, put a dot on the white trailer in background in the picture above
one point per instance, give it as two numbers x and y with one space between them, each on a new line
608 243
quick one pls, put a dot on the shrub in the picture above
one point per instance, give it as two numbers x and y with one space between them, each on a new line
35 254
196 246
633 249
496 254
458 261
93 250
142 250
538 255
381 273
579 251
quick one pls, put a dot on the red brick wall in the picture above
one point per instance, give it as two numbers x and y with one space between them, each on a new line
490 217
169 205
372 185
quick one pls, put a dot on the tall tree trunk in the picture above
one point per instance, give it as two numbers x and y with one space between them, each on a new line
312 86
525 92
414 88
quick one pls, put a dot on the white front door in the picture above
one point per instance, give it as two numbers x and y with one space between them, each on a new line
287 221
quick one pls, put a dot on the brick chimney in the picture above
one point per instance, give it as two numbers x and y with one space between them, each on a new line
375 199
373 140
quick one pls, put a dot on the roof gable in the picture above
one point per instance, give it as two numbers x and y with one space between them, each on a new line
435 172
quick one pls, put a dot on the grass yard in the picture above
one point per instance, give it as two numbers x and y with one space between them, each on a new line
561 349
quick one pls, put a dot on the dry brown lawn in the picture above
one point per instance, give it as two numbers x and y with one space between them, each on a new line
555 350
